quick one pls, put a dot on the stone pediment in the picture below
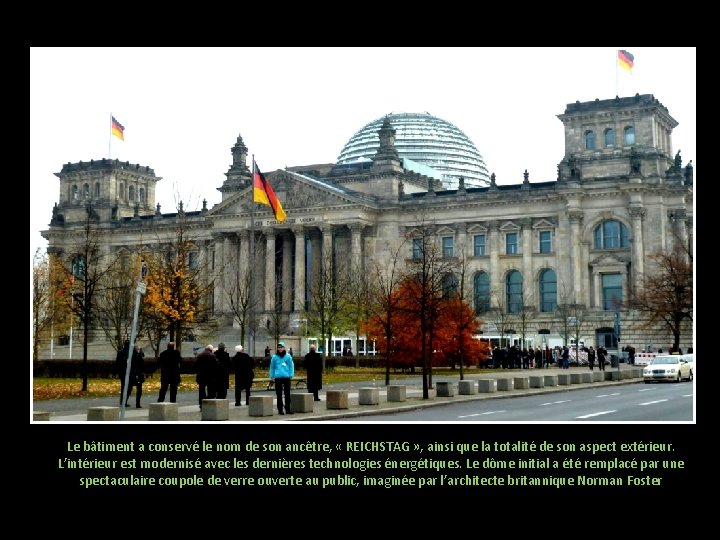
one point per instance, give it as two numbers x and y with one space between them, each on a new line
295 192
609 260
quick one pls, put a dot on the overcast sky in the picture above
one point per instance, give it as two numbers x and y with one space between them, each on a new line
183 108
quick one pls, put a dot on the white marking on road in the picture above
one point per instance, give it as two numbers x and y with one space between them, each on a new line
595 414
480 414
653 402
608 395
555 402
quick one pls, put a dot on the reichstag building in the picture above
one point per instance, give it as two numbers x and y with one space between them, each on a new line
582 238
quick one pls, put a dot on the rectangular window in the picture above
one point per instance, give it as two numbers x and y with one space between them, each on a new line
193 260
545 243
511 243
417 248
612 291
447 243
479 245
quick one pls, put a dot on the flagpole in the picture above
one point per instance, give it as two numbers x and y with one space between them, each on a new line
617 52
251 289
110 138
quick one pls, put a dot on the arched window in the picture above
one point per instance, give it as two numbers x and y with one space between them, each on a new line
629 135
481 292
142 194
609 137
449 285
611 234
590 140
121 192
74 192
97 190
131 193
86 191
548 291
513 287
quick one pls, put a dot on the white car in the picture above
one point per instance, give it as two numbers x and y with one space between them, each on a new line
669 367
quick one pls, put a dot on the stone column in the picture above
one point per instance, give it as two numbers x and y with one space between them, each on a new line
597 282
496 281
227 271
462 247
575 217
299 233
243 259
270 269
218 273
527 254
327 240
637 213
287 273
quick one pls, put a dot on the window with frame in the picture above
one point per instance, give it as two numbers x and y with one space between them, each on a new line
74 192
97 190
450 285
513 287
131 193
417 248
481 292
590 140
479 245
447 246
629 134
511 243
545 241
609 137
611 234
612 291
548 291
193 260
86 191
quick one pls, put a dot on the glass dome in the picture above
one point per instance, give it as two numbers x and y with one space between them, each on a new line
427 144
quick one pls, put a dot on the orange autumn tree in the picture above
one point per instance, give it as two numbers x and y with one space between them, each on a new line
450 329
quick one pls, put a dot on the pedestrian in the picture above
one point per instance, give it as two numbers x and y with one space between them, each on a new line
121 367
601 355
591 357
170 361
566 357
225 366
282 369
243 365
631 355
137 376
207 370
313 369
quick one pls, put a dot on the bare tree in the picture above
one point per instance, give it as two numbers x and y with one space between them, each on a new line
49 314
115 303
356 305
384 301
666 295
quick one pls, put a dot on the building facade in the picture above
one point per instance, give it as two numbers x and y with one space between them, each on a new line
582 239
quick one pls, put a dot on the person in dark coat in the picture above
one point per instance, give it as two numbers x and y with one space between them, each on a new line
170 361
313 368
225 365
121 367
601 357
207 374
243 366
137 376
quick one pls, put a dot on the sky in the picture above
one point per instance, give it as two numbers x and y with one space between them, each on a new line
183 108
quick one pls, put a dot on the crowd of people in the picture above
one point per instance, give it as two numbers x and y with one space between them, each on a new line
213 370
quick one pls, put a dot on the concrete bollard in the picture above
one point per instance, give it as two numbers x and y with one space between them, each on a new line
522 382
597 376
337 399
537 381
467 387
563 379
506 384
587 377
103 414
301 402
261 406
575 378
551 380
163 411
41 416
215 409
369 396
486 386
396 392
445 389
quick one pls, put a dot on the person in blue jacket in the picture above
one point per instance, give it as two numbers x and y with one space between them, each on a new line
282 369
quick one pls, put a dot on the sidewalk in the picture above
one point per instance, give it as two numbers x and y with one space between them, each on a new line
75 410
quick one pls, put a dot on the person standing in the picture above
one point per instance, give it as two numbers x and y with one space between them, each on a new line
313 368
207 372
591 357
282 369
137 376
224 376
566 357
244 368
170 361
121 367
601 356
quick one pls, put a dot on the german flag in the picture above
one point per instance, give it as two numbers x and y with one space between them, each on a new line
117 129
626 60
263 193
